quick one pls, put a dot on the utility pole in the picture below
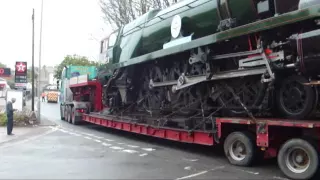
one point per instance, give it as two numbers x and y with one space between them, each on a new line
40 46
32 77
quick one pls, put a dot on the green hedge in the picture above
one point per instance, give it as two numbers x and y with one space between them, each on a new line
3 119
18 119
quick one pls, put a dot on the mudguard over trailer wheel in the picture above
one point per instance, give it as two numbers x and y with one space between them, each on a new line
298 159
240 148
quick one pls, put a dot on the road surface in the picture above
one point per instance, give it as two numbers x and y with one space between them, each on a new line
92 152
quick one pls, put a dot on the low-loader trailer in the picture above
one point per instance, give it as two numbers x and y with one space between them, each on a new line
295 143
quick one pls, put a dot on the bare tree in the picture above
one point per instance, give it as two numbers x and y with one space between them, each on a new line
120 12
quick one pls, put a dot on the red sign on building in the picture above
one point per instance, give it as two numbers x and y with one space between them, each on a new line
5 72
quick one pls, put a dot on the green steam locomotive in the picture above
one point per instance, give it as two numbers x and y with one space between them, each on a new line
204 58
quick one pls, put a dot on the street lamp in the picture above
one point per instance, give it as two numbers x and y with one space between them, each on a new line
40 46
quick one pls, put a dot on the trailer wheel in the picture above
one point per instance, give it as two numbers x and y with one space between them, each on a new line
298 159
61 114
239 147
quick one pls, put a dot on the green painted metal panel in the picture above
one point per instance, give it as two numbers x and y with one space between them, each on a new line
201 18
74 71
258 26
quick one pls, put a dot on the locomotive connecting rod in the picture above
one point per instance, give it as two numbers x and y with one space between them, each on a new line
189 81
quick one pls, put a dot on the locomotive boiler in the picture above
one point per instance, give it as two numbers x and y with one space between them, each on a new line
202 58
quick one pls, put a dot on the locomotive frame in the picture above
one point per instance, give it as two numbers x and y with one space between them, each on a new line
265 68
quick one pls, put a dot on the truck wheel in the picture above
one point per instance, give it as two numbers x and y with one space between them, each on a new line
61 114
240 149
68 115
298 159
73 116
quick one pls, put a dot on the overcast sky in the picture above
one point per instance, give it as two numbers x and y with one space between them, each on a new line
67 29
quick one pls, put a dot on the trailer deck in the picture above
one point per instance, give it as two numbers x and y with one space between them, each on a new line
294 142
201 137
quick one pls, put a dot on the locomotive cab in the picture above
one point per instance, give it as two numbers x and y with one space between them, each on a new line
107 47
269 8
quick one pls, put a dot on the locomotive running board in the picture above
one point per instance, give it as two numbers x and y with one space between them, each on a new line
188 81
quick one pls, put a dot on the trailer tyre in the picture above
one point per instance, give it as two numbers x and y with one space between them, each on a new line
61 114
73 117
240 149
298 159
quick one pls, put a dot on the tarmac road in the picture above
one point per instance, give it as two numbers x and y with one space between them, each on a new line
91 152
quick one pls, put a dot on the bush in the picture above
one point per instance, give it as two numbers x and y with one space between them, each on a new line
20 118
3 119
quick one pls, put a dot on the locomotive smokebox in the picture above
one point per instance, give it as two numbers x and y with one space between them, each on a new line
306 46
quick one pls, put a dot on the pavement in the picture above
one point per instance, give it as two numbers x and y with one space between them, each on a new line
20 133
64 151
2 104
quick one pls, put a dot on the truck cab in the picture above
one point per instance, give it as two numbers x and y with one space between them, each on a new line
74 89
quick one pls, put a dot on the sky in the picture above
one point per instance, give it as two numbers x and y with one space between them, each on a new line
69 27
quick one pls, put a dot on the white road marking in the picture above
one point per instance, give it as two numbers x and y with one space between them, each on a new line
88 134
144 154
98 137
120 143
77 134
92 135
187 168
110 140
132 146
116 147
250 172
87 137
130 151
216 168
200 173
192 160
62 130
97 140
192 175
148 149
280 178
71 133
106 144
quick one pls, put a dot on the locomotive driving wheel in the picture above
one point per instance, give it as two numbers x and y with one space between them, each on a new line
186 101
151 98
295 100
250 92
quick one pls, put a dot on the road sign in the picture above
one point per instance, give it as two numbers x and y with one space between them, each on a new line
5 72
21 74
